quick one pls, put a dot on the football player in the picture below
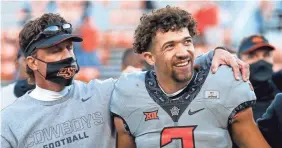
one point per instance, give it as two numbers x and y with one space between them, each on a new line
180 104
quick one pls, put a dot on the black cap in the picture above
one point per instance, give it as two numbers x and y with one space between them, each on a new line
51 41
254 42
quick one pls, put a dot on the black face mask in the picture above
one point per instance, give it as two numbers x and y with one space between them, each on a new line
260 77
61 72
260 71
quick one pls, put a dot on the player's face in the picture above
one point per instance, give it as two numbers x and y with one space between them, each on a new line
174 55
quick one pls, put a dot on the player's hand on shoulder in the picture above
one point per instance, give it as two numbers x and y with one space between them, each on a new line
223 57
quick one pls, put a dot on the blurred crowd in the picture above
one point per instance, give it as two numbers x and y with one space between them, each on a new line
107 28
251 30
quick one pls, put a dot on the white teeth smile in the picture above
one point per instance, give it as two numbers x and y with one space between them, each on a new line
182 64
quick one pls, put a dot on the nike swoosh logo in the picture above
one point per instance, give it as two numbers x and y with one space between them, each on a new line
194 112
83 100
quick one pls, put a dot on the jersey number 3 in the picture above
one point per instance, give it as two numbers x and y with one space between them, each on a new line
185 133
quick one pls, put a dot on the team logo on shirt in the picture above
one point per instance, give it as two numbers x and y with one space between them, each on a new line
151 115
174 111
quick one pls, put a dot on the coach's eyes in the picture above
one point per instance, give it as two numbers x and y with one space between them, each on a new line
54 50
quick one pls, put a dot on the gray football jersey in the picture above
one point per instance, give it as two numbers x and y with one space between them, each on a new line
81 119
197 117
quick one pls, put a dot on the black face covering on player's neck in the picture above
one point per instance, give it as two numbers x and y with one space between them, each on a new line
260 77
61 72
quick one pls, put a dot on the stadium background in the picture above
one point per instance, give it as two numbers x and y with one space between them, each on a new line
108 27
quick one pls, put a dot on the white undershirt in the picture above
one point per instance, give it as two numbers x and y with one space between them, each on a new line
173 94
47 95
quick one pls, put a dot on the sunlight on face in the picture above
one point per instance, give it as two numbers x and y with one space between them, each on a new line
174 55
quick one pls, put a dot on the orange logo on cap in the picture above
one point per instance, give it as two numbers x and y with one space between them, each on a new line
67 73
257 39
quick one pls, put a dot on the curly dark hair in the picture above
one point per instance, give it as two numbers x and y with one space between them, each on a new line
164 19
31 30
